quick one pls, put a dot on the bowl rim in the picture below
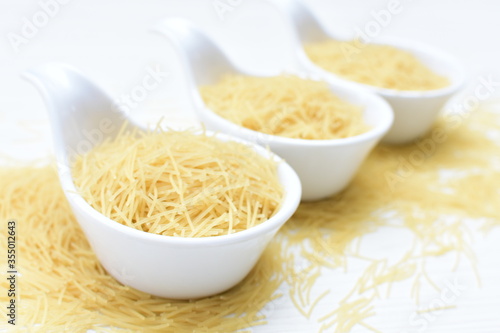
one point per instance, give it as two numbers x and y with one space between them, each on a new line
414 47
368 98
291 199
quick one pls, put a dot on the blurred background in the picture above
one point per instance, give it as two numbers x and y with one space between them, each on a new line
111 41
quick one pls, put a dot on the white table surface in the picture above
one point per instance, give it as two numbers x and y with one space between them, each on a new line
110 41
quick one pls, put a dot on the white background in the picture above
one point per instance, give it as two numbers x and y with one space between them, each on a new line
110 41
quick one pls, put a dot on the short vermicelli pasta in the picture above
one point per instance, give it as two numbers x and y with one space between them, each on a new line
378 65
285 105
178 183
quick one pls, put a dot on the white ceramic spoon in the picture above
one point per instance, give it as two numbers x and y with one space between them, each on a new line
174 267
414 111
325 167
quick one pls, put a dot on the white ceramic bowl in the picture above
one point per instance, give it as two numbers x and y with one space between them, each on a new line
414 111
325 167
166 266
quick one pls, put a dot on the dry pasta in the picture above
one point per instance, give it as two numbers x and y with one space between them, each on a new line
62 286
176 183
285 106
378 65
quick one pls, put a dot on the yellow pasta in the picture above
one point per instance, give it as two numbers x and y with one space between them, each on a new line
62 286
286 106
377 65
176 183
